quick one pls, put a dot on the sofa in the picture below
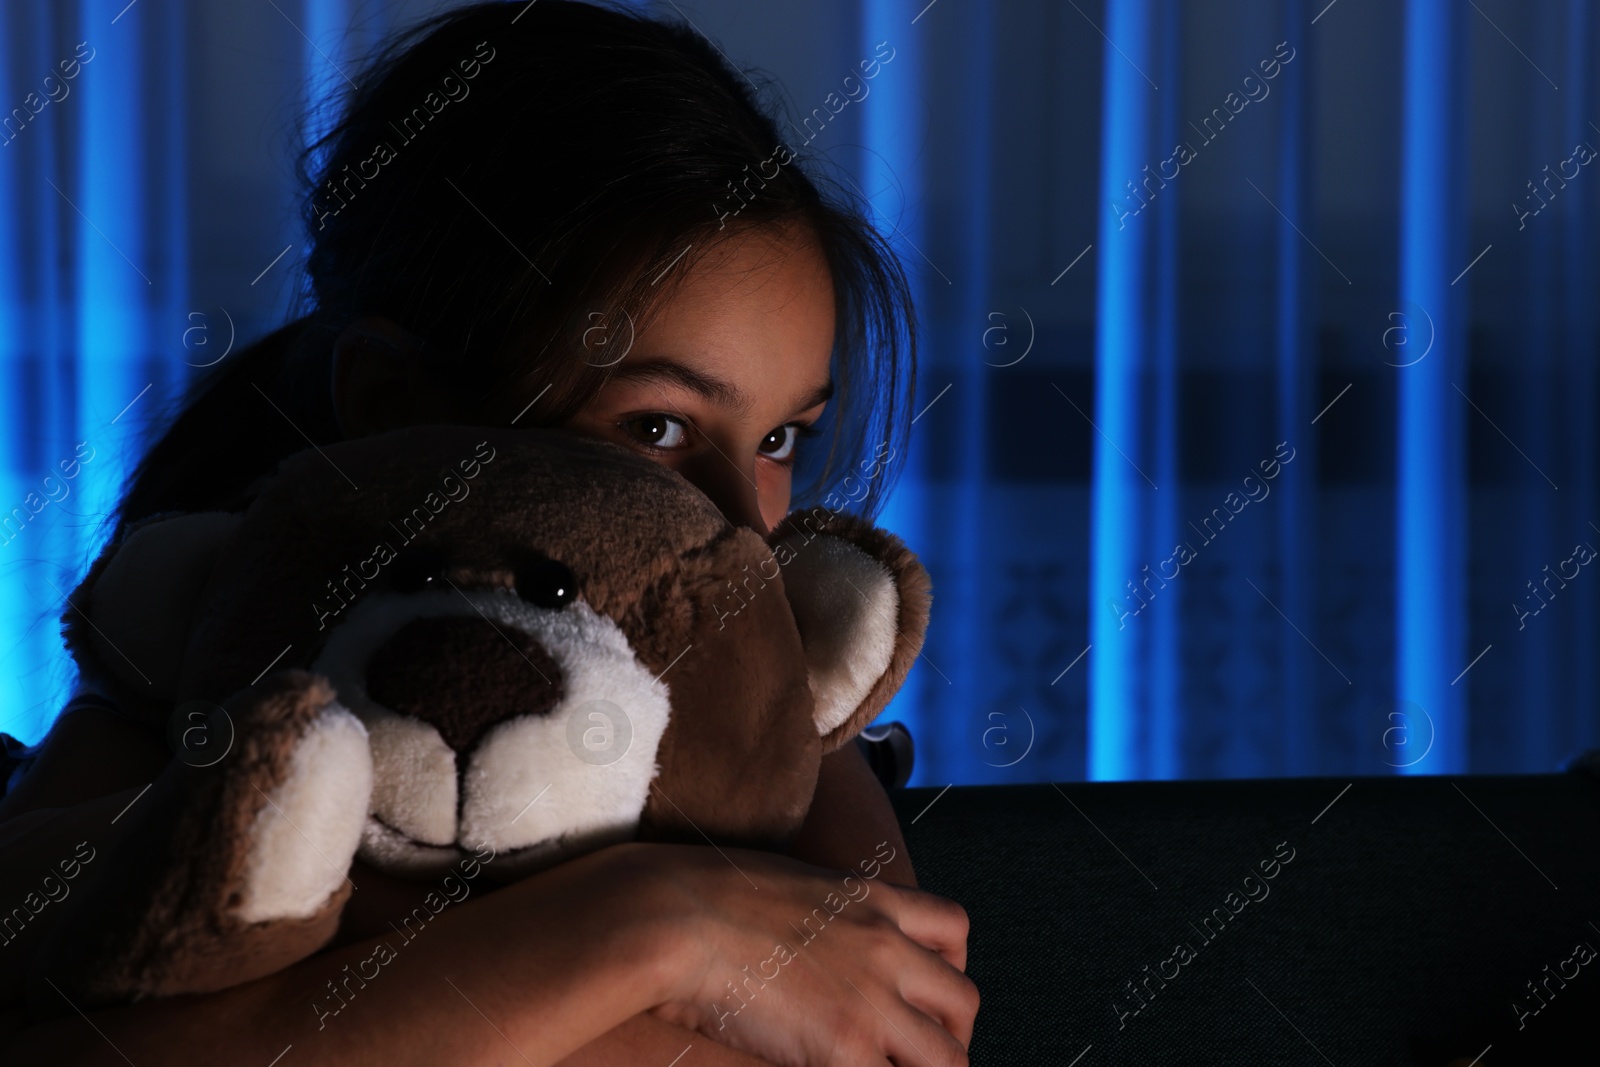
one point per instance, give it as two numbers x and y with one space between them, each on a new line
1390 920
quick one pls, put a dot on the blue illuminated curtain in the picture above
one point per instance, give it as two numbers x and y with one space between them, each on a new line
139 215
93 269
1370 271
1324 283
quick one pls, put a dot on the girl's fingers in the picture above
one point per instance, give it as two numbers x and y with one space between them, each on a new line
934 922
915 1039
883 986
942 993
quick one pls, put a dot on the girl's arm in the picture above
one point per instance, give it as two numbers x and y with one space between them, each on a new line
647 1039
30 844
554 961
535 970
32 840
850 816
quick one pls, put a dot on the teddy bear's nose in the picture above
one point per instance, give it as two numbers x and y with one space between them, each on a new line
463 675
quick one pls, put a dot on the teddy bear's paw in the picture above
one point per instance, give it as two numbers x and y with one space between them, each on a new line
304 835
230 868
262 849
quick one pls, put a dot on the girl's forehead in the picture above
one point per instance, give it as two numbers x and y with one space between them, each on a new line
750 300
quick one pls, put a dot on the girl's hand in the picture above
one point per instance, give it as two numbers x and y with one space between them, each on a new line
808 967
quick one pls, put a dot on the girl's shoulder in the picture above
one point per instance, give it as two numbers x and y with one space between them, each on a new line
93 748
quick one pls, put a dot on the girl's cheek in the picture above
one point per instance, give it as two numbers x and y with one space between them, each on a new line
775 491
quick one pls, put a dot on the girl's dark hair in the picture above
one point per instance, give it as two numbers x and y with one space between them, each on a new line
502 178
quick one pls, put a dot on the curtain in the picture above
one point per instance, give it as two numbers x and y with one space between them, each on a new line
148 230
1255 422
94 261
1275 489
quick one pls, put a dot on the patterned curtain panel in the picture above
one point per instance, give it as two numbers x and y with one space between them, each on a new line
1255 430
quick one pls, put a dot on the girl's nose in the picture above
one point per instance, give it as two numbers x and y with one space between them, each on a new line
731 488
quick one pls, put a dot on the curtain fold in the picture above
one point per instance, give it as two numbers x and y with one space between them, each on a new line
1128 306
1432 655
1295 367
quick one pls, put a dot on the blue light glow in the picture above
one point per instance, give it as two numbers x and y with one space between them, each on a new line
1430 480
1123 353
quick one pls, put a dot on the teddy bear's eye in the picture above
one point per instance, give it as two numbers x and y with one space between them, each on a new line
546 583
417 569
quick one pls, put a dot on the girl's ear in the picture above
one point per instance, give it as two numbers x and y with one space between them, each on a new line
130 618
860 599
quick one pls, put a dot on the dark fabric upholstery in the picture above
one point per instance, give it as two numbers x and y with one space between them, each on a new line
1412 917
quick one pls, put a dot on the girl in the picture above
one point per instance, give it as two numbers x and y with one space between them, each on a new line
553 214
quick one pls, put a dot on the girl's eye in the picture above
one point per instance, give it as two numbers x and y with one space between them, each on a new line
780 443
657 430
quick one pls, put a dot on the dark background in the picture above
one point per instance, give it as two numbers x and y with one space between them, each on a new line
1361 619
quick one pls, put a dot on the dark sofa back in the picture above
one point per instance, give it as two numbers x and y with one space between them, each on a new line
1300 921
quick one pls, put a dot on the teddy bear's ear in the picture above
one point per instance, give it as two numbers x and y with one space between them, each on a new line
860 600
131 616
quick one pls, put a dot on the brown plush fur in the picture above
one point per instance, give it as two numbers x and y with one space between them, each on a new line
738 762
649 551
150 923
149 607
746 683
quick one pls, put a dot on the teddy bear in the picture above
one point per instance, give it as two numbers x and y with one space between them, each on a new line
444 644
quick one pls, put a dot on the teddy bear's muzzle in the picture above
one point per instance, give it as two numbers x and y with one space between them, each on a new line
495 721
417 672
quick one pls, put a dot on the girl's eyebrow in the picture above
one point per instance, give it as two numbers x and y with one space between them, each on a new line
716 390
670 372
820 395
